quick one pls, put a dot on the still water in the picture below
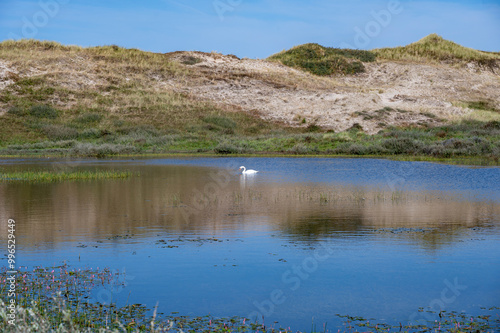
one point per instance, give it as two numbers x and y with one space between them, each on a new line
304 239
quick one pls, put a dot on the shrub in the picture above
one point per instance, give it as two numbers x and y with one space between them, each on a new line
301 148
89 118
91 133
43 111
494 124
401 145
59 132
313 128
220 121
17 111
227 148
103 150
356 127
190 60
141 130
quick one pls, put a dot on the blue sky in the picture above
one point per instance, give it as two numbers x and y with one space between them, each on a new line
250 28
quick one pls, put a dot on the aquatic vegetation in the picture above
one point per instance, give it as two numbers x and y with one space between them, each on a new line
60 296
59 299
443 321
48 176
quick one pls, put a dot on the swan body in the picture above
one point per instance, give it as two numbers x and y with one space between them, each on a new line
247 172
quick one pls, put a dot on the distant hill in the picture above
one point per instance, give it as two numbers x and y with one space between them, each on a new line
321 60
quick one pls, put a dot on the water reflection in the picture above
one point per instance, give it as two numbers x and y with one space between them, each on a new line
392 245
187 199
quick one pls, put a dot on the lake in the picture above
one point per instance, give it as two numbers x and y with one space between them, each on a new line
300 242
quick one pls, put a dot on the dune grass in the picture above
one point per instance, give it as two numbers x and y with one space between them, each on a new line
104 101
49 176
324 61
103 93
434 48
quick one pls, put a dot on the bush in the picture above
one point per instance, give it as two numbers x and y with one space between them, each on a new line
141 130
220 121
351 149
91 133
43 111
59 132
227 148
190 60
89 118
402 146
17 111
301 148
103 150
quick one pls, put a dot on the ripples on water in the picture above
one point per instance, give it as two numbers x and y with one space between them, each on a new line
303 238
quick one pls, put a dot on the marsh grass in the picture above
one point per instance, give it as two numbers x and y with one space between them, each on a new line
48 176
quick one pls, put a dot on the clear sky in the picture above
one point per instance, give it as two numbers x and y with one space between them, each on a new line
250 28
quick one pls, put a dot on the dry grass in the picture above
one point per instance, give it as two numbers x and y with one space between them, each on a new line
203 70
124 87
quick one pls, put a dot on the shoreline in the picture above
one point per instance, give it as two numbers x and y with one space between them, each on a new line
462 160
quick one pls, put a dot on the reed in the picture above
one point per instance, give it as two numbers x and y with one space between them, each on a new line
48 176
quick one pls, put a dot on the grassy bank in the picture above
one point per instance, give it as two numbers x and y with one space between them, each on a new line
49 176
462 140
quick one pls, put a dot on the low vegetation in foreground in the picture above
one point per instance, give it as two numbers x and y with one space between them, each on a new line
50 176
59 299
104 101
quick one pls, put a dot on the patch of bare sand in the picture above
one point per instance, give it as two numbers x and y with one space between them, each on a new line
8 75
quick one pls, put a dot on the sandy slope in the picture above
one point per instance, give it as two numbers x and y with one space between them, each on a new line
416 93
280 93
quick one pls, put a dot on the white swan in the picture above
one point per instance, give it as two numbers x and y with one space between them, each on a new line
247 172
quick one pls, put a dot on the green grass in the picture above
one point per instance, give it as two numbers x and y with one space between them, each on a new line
49 176
324 61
